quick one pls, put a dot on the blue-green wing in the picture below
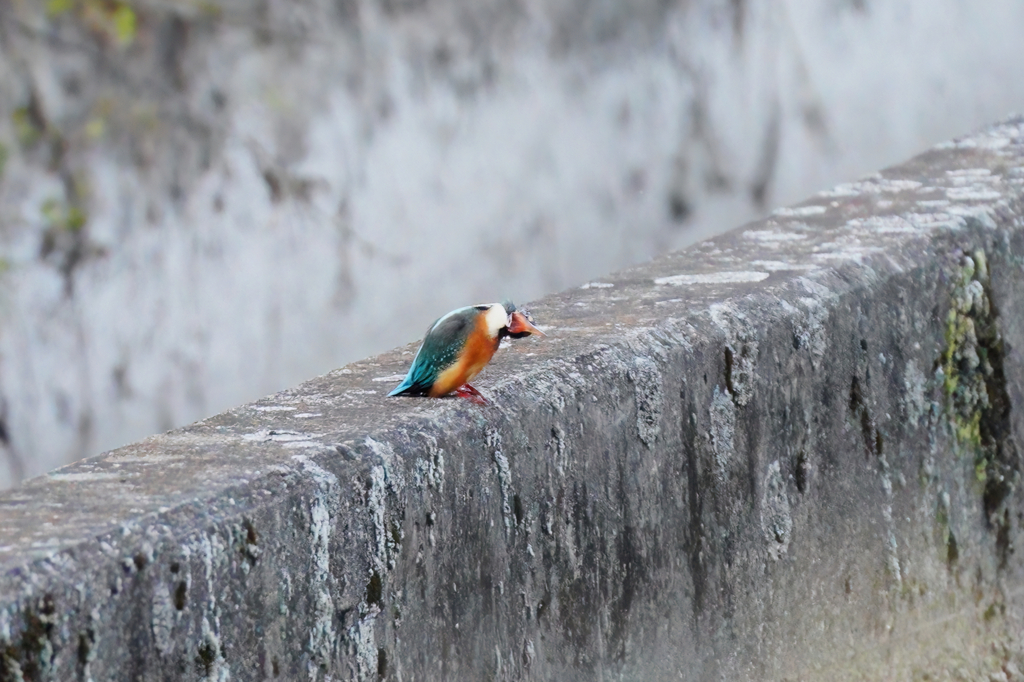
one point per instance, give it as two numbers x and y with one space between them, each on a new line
440 349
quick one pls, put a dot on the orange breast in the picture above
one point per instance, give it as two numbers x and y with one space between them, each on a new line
479 350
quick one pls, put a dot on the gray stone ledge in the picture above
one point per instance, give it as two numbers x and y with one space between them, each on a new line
789 452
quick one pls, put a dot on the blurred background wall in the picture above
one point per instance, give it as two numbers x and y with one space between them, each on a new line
204 201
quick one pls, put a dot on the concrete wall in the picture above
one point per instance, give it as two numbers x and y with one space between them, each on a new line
204 202
790 452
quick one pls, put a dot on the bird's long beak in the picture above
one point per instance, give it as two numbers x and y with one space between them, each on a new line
520 325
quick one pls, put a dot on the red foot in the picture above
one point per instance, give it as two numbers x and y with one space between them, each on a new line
471 394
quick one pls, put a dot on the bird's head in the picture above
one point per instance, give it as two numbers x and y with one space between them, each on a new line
518 323
503 320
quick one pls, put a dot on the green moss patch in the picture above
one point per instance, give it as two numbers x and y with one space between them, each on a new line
974 383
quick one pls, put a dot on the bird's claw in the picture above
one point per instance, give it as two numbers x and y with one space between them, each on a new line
471 394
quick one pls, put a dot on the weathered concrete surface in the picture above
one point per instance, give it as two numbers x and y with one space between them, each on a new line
791 452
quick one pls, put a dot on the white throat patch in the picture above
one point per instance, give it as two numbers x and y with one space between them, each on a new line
495 318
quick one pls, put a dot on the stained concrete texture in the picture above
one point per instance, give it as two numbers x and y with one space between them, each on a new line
205 201
790 452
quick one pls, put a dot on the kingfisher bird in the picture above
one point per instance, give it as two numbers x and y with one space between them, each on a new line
458 345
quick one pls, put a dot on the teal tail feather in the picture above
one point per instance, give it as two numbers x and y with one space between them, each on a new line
402 387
